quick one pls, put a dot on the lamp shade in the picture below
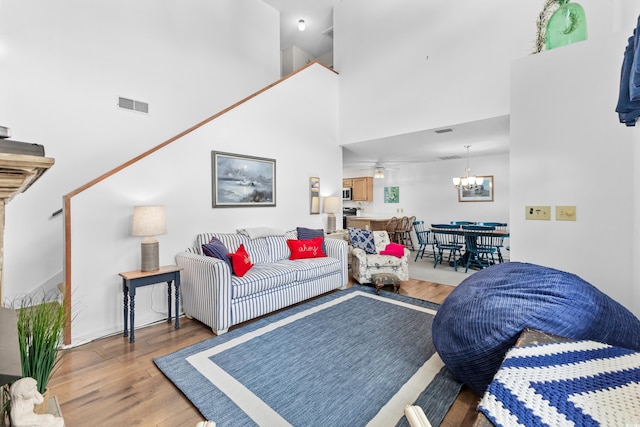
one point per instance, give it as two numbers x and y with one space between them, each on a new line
331 204
148 221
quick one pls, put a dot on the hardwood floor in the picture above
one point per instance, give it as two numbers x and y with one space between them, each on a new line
110 382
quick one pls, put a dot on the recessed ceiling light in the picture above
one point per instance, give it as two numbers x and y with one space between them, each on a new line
302 25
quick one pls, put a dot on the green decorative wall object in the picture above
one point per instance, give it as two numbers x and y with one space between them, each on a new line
568 24
559 23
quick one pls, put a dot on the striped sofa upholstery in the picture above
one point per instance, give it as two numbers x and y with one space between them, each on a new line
219 299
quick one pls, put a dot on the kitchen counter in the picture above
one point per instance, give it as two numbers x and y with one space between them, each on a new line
368 223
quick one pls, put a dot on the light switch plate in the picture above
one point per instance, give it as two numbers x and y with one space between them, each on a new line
565 213
5 132
538 213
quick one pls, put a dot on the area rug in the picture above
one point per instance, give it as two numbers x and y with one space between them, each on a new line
349 358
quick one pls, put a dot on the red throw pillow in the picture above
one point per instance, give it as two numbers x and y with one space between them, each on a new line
394 249
240 261
301 249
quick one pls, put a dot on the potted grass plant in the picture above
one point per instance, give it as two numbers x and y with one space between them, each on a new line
41 322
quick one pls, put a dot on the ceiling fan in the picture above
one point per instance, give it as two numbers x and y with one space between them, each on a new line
379 169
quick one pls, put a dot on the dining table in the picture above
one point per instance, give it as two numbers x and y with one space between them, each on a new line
468 234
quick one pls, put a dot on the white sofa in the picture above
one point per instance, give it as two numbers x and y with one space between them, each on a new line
363 264
220 299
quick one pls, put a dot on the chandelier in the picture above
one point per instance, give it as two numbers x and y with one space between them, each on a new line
467 182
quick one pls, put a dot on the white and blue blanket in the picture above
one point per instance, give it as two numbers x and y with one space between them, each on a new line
578 383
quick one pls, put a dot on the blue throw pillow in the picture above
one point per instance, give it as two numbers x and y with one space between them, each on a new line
310 233
362 239
216 249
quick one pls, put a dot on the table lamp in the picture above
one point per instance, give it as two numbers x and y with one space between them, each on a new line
148 222
331 206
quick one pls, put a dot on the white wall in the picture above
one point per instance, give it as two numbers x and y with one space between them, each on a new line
294 123
294 58
411 65
568 148
427 192
63 65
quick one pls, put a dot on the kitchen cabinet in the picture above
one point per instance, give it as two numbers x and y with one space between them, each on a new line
362 189
347 182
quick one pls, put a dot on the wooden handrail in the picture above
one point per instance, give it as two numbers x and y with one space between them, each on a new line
67 197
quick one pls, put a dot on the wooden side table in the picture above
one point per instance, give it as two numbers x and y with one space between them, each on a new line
134 279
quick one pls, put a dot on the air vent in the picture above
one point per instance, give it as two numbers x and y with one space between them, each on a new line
444 130
328 32
455 156
133 105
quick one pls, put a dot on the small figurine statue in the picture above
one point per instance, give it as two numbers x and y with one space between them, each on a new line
24 395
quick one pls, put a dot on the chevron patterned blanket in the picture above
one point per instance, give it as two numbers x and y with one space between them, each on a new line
577 383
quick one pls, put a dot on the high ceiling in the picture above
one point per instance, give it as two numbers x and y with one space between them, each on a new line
318 16
486 137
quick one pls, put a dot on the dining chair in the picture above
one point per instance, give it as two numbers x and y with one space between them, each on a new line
407 226
391 226
479 246
401 231
446 239
425 239
497 240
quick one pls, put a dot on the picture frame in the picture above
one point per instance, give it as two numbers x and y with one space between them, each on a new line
242 181
392 194
484 192
314 195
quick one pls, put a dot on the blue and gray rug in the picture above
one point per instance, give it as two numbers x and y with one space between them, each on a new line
349 358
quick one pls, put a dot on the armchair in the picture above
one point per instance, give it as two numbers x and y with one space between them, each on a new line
364 264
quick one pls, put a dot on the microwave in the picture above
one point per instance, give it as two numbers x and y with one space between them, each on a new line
346 193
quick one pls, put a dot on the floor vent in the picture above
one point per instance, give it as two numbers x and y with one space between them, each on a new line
133 105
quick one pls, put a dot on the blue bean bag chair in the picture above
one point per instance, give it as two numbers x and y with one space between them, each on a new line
483 317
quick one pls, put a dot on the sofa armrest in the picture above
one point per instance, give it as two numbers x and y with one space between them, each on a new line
359 253
206 290
338 248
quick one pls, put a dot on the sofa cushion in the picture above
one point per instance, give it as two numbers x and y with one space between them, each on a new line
381 240
263 277
258 249
484 315
231 240
311 268
362 239
383 261
240 261
301 249
310 233
278 249
216 249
